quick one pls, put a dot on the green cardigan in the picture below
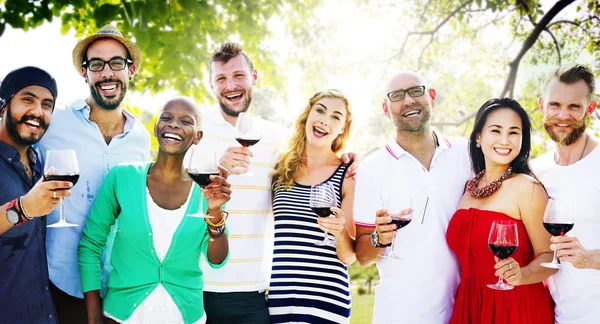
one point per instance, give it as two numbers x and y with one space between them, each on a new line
137 270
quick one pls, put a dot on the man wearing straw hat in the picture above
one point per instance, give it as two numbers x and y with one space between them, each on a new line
103 134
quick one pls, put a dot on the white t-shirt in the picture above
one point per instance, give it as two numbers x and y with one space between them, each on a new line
421 287
576 292
250 221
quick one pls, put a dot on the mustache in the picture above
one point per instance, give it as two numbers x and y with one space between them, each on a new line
571 122
40 121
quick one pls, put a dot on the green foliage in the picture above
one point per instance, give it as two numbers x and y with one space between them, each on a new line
176 37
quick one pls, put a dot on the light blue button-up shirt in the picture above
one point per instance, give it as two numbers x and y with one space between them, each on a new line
71 128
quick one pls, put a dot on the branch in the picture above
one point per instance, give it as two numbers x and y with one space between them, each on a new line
432 31
420 60
529 42
555 44
572 22
126 14
421 17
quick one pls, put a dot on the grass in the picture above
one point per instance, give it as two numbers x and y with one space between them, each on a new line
362 308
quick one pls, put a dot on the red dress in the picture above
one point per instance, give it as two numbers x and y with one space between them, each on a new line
467 236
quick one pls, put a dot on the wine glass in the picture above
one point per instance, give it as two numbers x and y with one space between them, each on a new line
61 165
247 132
400 209
322 198
202 164
503 242
558 220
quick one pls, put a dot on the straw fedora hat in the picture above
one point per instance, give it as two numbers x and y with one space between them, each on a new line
108 31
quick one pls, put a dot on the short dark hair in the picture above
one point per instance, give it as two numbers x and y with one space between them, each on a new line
521 163
226 52
574 74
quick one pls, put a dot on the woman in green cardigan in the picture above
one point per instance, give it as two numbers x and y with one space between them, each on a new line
156 250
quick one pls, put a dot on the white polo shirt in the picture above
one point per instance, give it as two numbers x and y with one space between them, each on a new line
421 287
576 292
250 221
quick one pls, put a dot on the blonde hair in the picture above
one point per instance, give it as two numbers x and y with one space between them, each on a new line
294 158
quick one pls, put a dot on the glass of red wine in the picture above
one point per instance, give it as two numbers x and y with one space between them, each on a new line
247 132
61 165
202 164
503 242
558 220
322 198
400 209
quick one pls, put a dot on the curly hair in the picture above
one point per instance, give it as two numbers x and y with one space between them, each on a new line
294 159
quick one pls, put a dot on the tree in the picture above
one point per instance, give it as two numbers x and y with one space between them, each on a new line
176 37
368 274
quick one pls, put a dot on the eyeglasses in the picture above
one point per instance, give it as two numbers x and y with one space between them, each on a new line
414 92
116 64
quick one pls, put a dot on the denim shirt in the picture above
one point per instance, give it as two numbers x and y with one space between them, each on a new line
24 294
71 128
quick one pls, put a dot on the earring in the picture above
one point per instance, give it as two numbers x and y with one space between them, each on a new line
477 145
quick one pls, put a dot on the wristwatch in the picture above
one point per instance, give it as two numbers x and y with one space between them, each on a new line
13 215
375 240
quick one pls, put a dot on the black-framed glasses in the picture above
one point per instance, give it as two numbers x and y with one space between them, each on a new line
116 64
414 92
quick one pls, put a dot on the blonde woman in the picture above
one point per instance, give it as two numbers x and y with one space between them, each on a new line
309 282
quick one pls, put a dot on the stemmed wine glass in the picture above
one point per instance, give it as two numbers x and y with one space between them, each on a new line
322 198
202 164
400 209
558 220
61 165
503 242
247 132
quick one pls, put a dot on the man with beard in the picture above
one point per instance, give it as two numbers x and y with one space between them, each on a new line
235 293
103 134
432 169
27 97
569 174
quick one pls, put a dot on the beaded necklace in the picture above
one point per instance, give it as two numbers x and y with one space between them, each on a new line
487 190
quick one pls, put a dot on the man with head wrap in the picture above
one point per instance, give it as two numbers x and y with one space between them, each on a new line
27 97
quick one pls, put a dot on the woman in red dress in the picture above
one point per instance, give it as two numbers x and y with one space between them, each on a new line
503 189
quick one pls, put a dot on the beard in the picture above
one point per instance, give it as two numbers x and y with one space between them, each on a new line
229 111
12 126
566 138
409 126
108 104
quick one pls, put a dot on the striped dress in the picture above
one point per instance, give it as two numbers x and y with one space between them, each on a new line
309 284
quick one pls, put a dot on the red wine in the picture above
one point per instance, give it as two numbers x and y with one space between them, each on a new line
502 251
202 179
247 142
557 229
400 222
322 211
73 178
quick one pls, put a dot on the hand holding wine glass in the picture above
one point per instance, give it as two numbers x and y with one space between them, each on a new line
203 167
247 132
61 165
218 191
399 210
322 199
503 242
558 221
45 196
335 225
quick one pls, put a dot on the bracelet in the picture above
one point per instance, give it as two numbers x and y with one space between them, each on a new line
23 209
224 215
216 232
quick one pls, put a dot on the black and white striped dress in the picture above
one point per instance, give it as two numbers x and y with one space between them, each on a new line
309 284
